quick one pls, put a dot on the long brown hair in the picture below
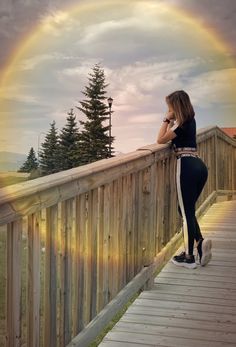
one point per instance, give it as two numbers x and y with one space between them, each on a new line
181 104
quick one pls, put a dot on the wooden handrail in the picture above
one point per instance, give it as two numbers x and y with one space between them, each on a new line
90 171
83 234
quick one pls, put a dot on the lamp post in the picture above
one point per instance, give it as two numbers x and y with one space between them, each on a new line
110 100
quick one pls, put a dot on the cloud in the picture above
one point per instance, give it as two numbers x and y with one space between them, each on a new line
21 93
33 62
140 83
220 19
144 57
139 76
210 87
78 71
57 57
143 119
139 89
53 22
20 100
100 31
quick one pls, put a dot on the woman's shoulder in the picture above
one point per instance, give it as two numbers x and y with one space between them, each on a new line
189 123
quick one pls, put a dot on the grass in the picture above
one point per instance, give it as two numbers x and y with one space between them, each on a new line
9 180
115 319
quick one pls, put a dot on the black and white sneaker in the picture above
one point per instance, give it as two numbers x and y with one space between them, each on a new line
179 257
204 251
181 260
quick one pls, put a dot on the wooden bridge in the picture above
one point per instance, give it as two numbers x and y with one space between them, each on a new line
188 307
76 246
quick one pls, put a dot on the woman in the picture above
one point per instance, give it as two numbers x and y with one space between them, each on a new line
179 126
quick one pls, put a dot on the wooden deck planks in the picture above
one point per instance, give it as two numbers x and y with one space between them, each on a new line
185 307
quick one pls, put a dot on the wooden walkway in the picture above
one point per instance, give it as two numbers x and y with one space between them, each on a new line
188 308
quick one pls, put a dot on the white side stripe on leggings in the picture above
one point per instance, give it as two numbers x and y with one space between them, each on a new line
181 204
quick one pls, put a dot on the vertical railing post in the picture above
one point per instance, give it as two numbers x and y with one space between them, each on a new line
65 326
50 289
233 168
145 219
216 161
33 297
13 316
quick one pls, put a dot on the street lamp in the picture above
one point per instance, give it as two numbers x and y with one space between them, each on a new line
110 100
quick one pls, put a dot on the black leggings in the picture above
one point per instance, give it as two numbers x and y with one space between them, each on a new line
191 176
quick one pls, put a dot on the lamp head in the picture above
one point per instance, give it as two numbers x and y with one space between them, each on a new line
110 100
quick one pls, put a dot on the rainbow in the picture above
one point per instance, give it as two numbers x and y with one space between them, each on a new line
84 9
39 36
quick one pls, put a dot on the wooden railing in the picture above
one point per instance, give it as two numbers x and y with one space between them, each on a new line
72 240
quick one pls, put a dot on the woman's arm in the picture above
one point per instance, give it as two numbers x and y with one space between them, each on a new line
165 133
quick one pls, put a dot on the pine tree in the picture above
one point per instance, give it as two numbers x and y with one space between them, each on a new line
94 142
31 162
69 154
48 155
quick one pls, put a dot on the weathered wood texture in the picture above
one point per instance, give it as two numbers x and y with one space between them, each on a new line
13 292
90 230
188 307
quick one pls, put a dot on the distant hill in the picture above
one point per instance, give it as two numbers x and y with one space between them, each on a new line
10 161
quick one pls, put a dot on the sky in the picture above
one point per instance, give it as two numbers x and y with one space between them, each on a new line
147 49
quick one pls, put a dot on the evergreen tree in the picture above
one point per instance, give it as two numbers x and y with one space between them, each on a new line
48 155
69 154
31 162
94 141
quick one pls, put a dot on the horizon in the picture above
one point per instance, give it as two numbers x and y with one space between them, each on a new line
119 152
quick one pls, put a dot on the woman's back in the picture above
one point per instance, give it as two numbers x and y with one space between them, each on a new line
186 135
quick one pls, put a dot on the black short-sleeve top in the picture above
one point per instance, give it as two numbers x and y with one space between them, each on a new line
186 136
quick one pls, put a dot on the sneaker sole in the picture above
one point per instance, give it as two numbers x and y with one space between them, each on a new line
206 252
187 265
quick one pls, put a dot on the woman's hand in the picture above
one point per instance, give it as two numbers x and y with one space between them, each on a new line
165 133
170 115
